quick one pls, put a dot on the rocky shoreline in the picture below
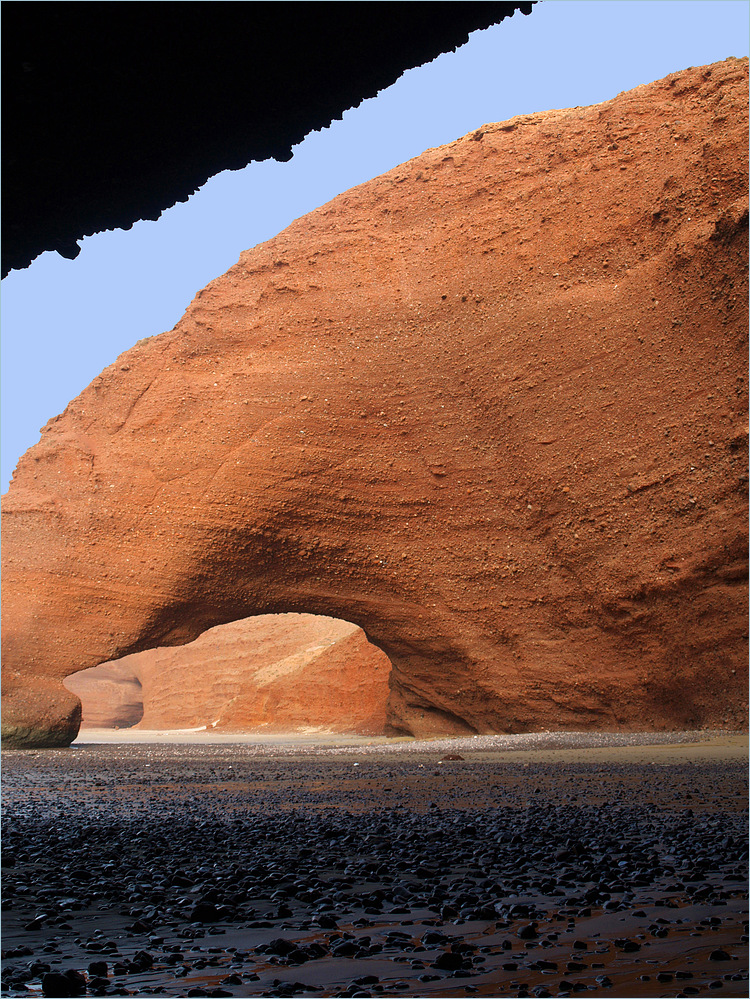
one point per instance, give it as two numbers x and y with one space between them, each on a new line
435 869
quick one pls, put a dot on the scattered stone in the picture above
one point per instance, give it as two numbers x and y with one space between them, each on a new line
68 984
448 961
204 912
501 880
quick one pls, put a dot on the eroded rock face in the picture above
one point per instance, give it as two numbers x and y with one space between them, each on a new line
111 695
275 673
490 406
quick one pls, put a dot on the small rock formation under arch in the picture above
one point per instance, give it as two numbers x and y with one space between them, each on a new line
111 695
490 406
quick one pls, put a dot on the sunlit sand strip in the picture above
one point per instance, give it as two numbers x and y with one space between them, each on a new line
655 748
205 735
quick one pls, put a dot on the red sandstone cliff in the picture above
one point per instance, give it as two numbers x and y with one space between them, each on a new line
287 672
490 406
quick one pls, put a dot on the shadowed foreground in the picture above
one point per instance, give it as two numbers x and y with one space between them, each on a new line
395 869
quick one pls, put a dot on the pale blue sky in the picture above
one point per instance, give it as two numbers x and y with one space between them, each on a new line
65 320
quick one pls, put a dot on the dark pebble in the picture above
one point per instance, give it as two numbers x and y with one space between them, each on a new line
280 946
22 951
142 961
204 912
70 984
448 961
36 923
347 948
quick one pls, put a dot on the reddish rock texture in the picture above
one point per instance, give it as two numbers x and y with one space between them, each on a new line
277 673
490 406
111 695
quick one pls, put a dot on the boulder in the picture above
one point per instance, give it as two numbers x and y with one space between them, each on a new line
490 407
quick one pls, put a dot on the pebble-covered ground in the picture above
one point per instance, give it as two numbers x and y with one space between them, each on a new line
394 870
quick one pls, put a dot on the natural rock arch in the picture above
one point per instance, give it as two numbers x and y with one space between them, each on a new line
489 406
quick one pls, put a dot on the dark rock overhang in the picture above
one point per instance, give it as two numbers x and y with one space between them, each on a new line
113 112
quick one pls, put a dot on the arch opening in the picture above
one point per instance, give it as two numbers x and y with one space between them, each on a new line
270 673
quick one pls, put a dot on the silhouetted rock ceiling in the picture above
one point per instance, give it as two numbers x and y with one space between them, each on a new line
112 112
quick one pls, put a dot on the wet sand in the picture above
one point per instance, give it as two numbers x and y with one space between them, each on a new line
547 864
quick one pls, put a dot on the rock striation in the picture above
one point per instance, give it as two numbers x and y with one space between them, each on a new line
274 673
490 406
